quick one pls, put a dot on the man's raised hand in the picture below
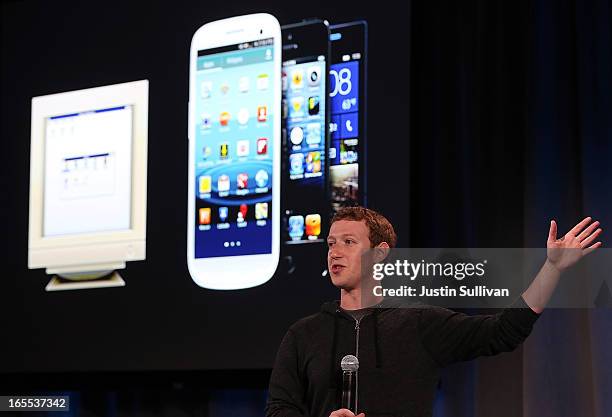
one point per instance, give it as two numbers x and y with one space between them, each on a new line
579 240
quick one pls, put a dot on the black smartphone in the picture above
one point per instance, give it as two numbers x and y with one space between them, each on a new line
305 131
348 88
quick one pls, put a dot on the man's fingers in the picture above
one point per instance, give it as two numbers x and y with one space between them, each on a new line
586 242
576 229
586 232
343 412
552 232
592 248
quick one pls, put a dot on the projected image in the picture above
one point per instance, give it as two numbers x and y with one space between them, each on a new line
234 152
305 203
88 184
344 128
88 156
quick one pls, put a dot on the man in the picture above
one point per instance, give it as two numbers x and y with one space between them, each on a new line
400 351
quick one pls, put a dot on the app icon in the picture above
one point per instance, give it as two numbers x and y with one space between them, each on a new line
297 104
296 227
349 126
313 134
261 211
284 80
313 225
296 162
313 105
224 88
223 212
205 184
224 150
243 84
296 135
261 178
206 88
242 148
242 213
243 116
204 215
332 154
334 127
262 82
206 121
206 151
262 146
242 180
313 162
314 76
224 118
297 78
262 113
223 183
348 151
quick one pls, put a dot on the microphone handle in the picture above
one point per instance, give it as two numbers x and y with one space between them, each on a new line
348 394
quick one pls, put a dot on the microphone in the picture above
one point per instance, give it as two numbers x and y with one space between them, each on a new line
349 365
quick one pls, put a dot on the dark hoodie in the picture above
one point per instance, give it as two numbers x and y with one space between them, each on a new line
400 351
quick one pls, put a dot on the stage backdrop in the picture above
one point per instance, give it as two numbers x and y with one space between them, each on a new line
161 320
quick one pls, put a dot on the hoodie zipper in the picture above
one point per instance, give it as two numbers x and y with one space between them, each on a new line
357 337
357 355
357 322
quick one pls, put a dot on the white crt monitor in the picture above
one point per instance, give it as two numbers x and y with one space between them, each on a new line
88 180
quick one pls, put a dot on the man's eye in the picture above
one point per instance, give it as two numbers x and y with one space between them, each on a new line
349 241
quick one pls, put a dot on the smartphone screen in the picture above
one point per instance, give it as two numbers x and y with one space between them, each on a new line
233 149
347 149
305 131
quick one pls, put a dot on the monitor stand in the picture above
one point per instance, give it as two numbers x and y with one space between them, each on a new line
97 277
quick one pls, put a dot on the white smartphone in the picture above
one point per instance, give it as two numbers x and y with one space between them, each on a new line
233 237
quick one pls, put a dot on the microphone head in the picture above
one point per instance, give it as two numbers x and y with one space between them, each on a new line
350 363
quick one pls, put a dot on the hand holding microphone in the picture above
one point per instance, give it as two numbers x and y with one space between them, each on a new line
343 412
349 365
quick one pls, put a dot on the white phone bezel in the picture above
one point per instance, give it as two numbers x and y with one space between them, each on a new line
244 271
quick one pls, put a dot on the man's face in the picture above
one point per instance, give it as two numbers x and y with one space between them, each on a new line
347 241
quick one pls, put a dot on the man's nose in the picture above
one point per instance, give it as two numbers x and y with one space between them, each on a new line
334 252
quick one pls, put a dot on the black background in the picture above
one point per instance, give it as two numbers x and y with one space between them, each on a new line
161 320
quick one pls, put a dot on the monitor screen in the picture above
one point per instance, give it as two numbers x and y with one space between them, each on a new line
87 172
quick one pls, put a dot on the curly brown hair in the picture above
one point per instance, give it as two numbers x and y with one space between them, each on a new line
380 229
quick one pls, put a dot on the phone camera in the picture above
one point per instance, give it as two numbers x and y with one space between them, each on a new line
260 31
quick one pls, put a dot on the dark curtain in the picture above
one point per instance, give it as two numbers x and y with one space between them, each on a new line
511 127
568 362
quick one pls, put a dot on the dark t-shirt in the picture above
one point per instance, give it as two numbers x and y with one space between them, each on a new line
359 313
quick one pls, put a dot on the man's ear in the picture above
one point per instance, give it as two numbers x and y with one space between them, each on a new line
381 251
